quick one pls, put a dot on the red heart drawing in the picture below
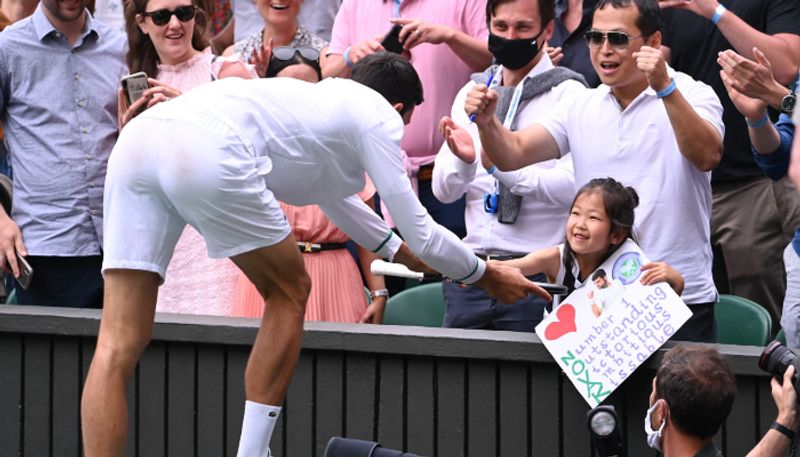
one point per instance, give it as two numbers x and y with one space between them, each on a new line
565 323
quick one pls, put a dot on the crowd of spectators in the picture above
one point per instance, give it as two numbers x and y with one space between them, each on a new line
675 121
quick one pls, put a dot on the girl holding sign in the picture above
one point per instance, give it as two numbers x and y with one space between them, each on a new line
600 220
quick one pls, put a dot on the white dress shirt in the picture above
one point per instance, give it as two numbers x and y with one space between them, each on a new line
547 188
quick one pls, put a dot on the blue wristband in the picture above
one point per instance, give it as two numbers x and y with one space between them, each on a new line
759 123
347 58
718 13
491 170
667 90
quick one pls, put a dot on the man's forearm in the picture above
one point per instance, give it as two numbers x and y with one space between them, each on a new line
697 140
744 38
765 139
472 51
514 150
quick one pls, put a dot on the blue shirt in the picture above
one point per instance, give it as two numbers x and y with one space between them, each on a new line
776 164
59 107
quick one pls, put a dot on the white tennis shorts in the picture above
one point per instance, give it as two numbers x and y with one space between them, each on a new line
165 173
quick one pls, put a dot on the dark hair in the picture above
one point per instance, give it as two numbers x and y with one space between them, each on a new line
699 388
600 273
390 75
547 10
277 65
142 55
620 203
649 18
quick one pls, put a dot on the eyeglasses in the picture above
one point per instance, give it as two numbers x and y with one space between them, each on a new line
162 17
618 40
288 53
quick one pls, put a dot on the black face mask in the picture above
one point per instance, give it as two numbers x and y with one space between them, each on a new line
513 54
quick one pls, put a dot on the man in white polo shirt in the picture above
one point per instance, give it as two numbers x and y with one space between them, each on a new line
647 126
219 158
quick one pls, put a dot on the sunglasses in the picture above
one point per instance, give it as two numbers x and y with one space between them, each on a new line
162 17
618 40
288 52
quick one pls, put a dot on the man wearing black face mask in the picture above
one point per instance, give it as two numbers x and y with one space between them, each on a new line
507 214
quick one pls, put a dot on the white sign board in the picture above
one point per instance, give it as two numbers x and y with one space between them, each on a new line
600 335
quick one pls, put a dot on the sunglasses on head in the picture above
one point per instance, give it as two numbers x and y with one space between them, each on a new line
162 17
619 40
288 52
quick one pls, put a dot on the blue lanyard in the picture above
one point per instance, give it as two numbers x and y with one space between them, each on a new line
514 105
397 7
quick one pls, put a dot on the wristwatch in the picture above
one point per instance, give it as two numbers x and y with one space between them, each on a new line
788 103
373 294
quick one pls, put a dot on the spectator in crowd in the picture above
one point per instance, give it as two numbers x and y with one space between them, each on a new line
753 217
257 138
649 126
446 42
752 88
59 73
567 47
279 28
110 12
176 53
337 291
692 395
318 16
601 219
315 15
532 203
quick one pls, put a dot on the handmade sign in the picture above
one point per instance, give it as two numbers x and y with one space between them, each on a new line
608 327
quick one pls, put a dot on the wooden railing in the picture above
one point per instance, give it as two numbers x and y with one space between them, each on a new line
434 392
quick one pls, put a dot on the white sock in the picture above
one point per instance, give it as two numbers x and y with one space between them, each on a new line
257 425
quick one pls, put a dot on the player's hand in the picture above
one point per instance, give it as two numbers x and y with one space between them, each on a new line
650 61
481 102
374 312
10 240
458 140
704 8
507 284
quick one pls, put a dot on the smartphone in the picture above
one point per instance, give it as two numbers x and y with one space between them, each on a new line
25 272
391 42
134 86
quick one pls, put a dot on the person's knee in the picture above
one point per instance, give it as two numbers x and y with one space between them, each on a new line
288 295
120 351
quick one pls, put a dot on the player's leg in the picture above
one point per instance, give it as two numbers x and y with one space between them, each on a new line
125 330
279 275
140 232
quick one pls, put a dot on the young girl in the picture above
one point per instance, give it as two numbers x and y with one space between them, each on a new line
600 220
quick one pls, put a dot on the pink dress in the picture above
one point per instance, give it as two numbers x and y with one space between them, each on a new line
337 291
194 283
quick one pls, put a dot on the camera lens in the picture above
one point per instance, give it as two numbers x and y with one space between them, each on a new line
776 358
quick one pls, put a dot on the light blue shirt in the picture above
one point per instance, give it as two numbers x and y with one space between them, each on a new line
59 107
